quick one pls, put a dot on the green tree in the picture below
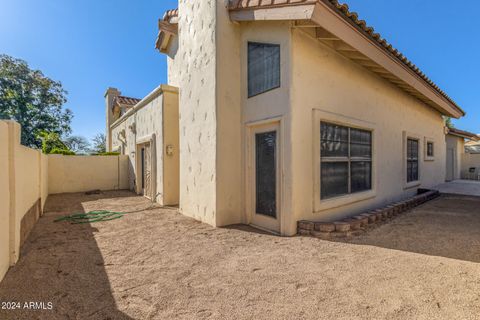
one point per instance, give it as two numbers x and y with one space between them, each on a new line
78 144
448 122
98 143
51 141
33 100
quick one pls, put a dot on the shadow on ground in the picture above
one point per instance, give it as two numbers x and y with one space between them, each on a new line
447 227
62 264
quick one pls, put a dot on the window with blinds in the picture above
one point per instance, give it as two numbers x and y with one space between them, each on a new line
263 68
412 160
346 160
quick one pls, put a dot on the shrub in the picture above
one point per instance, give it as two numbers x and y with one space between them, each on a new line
51 141
106 154
65 152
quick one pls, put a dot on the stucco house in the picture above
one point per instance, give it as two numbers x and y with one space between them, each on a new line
293 110
459 162
473 146
147 131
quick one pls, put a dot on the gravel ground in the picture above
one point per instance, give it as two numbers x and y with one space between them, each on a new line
157 264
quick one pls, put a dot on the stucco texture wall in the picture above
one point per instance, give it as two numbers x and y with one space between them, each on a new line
270 106
156 120
4 200
193 71
171 139
470 160
21 171
27 177
27 187
84 173
327 86
229 201
456 146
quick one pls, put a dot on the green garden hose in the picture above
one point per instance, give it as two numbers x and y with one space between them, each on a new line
91 217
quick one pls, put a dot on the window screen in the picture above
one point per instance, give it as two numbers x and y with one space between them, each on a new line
412 160
263 67
346 160
430 152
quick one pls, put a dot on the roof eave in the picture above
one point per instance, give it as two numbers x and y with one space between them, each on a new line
463 134
161 89
167 30
323 15
285 12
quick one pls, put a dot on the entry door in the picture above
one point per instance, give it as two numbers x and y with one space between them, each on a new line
265 177
147 170
450 164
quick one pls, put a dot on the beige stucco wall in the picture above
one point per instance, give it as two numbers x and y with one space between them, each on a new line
155 120
43 178
229 174
270 106
27 185
327 86
470 160
83 173
193 70
27 176
171 162
4 200
21 186
208 62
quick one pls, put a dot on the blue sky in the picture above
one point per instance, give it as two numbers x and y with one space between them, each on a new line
90 45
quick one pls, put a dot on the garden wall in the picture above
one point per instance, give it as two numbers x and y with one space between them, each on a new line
4 201
22 192
471 160
84 173
27 177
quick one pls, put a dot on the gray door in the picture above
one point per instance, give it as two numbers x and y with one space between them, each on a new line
450 164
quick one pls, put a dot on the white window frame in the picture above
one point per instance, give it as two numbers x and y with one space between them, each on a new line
413 136
319 204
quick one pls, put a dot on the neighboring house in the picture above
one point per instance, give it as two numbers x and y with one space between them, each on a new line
293 110
472 146
147 131
459 163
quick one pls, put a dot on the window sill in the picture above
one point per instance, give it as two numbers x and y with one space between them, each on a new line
345 200
429 158
413 184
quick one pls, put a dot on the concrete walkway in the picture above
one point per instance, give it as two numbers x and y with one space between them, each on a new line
464 187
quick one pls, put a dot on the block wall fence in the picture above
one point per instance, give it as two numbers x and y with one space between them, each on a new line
27 177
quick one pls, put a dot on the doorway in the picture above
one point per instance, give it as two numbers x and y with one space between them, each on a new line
146 171
450 164
263 185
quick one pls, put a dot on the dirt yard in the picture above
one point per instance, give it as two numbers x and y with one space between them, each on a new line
157 264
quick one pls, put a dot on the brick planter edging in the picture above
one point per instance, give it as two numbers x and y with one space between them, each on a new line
353 225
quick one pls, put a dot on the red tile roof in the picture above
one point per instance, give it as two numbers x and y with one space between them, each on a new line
462 133
170 14
126 100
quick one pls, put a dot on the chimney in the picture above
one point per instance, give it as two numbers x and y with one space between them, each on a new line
110 95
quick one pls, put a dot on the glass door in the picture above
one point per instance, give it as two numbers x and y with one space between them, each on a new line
264 173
